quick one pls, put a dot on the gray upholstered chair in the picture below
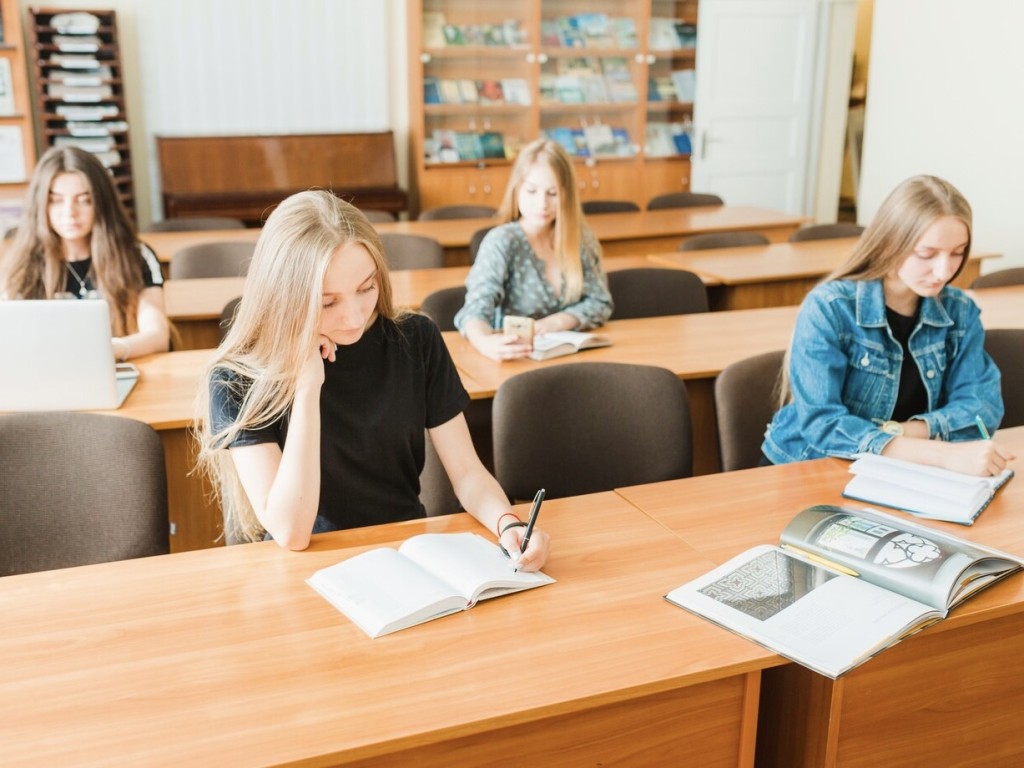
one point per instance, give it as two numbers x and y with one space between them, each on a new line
442 305
457 212
404 251
722 240
1001 277
214 259
436 492
475 240
592 207
683 200
79 488
379 216
653 292
746 396
578 428
227 316
195 223
1006 346
826 231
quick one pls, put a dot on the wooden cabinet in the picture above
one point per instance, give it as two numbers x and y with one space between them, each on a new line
611 80
17 139
79 88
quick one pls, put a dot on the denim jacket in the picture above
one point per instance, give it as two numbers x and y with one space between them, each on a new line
844 371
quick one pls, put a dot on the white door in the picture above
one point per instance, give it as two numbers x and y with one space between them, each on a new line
754 101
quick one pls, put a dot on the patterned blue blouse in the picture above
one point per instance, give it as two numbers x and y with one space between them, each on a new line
507 278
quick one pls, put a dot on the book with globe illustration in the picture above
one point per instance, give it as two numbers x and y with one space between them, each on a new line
844 585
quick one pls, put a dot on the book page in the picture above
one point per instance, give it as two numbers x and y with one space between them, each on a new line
921 563
382 591
473 567
565 343
819 618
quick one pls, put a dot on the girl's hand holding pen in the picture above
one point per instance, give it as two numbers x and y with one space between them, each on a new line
537 549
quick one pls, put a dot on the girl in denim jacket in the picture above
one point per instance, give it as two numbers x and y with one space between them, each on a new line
886 356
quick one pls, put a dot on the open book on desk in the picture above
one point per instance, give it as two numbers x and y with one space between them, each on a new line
922 490
428 576
558 343
844 585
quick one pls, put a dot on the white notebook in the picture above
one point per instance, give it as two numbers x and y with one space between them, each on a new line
57 356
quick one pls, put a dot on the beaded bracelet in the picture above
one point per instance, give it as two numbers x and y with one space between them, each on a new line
497 523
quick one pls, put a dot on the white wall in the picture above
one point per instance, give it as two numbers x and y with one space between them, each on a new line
944 97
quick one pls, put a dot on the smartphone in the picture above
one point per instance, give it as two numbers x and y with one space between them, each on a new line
520 326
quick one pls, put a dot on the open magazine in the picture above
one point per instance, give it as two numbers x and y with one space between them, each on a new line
844 585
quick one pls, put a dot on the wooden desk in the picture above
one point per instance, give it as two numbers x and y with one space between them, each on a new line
948 696
194 306
227 655
778 274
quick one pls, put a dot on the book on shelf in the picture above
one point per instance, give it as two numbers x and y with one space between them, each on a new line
492 144
82 112
74 61
548 87
844 585
92 144
79 94
623 143
623 29
431 575
652 89
569 90
600 140
662 34
658 140
569 32
515 90
467 144
494 35
560 343
473 34
75 23
97 128
928 492
490 92
595 89
578 66
515 35
681 140
468 93
431 90
549 33
450 92
595 30
444 141
434 23
453 35
665 88
686 33
76 43
684 82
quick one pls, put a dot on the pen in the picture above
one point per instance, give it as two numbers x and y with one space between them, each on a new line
981 428
534 511
822 561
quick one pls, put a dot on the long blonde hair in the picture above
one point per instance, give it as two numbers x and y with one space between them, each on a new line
901 221
34 265
569 222
277 323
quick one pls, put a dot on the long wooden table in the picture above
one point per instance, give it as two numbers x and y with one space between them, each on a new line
948 696
621 234
778 274
227 656
695 347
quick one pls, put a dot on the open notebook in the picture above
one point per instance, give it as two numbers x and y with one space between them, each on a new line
57 356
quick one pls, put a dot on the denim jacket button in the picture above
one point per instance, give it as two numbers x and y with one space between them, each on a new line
866 361
930 374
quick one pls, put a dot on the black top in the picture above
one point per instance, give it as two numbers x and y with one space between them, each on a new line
912 397
151 274
377 399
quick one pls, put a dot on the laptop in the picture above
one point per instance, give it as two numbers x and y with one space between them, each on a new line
57 356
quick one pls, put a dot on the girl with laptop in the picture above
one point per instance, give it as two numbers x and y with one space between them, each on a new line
75 241
318 398
887 357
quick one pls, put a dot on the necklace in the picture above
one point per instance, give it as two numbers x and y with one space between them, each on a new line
83 292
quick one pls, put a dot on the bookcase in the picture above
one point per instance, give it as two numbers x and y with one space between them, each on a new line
611 80
79 88
17 139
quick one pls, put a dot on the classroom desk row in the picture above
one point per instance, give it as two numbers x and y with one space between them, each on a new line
187 658
694 347
773 275
621 234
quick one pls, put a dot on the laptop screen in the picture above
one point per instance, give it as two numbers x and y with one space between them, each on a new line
57 355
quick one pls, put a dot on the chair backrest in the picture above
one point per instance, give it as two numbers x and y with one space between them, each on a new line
826 231
214 259
1006 346
458 212
436 492
1010 276
746 396
683 200
195 223
653 292
405 251
591 207
577 428
227 316
475 240
79 488
372 215
442 305
722 240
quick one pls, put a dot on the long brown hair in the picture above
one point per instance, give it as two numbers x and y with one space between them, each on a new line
34 263
569 221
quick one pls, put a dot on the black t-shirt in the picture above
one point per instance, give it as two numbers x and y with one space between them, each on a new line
378 397
151 274
912 397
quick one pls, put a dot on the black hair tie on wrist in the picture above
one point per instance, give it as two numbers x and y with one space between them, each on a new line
516 524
